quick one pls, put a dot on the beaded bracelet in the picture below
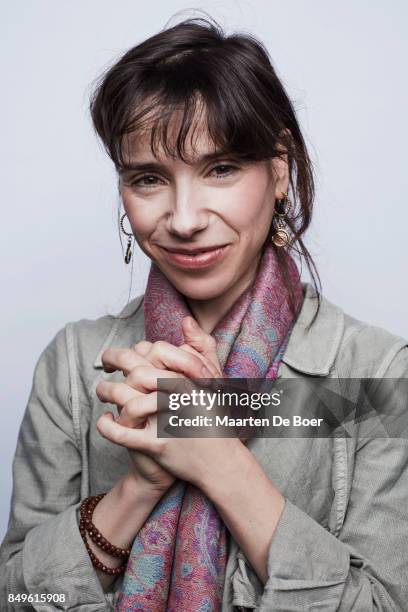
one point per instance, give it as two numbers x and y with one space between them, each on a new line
87 507
86 525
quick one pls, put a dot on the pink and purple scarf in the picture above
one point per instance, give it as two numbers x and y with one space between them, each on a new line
179 556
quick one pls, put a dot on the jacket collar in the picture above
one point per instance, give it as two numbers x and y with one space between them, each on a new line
314 351
310 351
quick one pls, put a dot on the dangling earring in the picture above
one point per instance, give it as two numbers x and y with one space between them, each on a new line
128 254
281 237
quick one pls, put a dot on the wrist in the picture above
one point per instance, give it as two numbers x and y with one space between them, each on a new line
124 509
132 486
215 481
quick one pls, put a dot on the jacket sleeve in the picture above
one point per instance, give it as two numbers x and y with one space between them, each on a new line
364 568
43 552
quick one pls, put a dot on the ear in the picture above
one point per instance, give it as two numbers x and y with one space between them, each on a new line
280 167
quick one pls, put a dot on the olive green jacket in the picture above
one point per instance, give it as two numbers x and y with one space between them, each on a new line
342 540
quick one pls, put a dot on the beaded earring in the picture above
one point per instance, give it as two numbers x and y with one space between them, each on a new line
281 237
128 254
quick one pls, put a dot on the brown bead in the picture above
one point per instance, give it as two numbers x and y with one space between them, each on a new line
86 525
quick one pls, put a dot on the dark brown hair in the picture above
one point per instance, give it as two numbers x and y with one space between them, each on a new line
248 113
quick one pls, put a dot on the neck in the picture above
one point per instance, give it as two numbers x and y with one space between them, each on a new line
209 312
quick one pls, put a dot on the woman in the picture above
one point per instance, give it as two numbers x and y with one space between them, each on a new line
106 513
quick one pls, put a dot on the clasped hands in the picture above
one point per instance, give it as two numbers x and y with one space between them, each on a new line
159 461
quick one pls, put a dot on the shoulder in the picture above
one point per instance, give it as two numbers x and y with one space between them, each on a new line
75 349
339 344
88 338
367 350
374 349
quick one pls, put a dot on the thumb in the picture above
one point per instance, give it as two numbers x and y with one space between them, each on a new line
200 340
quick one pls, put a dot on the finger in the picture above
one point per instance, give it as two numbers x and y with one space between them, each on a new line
145 378
142 347
200 340
121 359
210 365
136 439
120 393
135 411
148 379
166 355
115 393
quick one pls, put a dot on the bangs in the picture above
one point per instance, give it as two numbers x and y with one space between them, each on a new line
174 105
171 126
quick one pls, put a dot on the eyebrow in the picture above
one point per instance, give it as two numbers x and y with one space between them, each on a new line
154 165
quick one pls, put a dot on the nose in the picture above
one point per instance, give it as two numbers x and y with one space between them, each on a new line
186 216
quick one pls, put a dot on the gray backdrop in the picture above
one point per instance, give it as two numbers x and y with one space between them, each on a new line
344 65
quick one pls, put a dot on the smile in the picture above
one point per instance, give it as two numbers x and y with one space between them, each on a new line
201 259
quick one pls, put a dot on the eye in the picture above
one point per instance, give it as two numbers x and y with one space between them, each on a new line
147 180
223 170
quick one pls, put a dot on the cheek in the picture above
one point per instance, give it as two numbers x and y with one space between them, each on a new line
251 204
141 216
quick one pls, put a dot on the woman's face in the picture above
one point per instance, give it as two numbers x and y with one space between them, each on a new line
211 203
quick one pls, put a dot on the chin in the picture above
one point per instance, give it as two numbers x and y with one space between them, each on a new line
199 287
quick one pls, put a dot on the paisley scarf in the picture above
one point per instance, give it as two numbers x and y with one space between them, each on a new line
178 558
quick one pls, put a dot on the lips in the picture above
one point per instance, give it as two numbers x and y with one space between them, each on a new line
202 257
203 249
